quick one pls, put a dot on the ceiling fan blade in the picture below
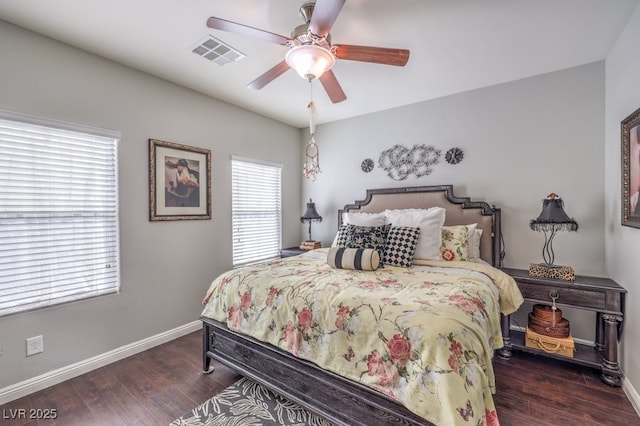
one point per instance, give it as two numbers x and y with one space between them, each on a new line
332 87
324 15
233 27
269 76
377 55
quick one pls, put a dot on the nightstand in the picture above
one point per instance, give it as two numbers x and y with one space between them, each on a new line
291 251
601 295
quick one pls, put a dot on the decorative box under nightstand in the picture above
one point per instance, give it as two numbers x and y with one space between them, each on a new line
552 345
602 295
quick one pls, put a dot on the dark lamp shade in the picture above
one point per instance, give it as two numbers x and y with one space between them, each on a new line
311 215
552 219
553 216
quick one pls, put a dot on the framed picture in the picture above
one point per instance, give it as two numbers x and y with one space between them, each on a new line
630 130
179 182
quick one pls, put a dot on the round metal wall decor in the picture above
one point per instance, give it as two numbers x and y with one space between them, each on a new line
399 161
367 165
454 156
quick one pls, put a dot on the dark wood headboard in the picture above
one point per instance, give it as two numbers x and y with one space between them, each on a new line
459 211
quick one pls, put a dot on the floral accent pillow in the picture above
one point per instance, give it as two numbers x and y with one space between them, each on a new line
373 237
455 242
401 246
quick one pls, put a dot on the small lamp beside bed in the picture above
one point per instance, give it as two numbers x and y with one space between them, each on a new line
552 219
310 215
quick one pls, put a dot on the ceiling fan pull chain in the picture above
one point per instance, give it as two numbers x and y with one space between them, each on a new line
312 111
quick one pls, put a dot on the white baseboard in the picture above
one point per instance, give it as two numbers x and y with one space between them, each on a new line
54 377
632 394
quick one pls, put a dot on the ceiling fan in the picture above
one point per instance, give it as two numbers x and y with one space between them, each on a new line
310 52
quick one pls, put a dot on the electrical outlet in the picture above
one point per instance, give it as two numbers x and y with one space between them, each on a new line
35 345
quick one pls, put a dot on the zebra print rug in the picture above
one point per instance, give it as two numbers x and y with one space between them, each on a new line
246 403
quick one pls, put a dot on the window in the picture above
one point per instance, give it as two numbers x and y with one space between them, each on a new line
256 210
58 213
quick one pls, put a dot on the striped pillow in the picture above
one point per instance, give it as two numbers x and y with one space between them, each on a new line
353 258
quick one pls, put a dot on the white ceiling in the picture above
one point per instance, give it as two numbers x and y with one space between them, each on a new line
456 45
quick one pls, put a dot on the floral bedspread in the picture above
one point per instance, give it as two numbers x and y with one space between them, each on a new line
423 336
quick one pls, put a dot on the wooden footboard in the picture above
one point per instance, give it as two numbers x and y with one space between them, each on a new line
339 400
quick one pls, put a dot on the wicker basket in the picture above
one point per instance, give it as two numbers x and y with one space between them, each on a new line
546 313
548 328
553 345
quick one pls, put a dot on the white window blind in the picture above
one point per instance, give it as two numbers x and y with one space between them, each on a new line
58 213
256 210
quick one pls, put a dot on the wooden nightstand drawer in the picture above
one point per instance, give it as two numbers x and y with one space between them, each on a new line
566 296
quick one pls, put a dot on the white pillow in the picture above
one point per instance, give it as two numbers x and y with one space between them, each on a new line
364 219
474 244
360 219
429 221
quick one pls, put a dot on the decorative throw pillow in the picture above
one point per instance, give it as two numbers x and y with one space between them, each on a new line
352 258
474 244
455 243
364 219
401 246
429 221
373 237
341 237
356 218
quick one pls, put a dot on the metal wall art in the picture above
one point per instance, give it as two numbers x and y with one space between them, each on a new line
367 165
400 162
454 155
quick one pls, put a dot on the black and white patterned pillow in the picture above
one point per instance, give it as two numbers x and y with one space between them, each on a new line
401 246
373 237
343 233
352 258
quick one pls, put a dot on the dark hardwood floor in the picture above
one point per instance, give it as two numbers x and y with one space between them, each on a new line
159 385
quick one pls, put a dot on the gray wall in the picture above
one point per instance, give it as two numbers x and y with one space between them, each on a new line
623 243
166 266
521 141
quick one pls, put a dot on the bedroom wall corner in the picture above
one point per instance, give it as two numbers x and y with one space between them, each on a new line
622 242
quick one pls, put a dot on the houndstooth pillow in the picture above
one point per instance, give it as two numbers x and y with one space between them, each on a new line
341 237
401 246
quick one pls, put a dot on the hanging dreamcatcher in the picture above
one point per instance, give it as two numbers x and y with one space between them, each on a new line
311 165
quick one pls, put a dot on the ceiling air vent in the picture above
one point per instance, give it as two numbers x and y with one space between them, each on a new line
217 51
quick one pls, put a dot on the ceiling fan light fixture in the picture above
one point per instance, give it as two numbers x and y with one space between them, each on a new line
309 60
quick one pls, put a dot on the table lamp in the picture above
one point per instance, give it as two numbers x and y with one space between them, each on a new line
310 215
552 219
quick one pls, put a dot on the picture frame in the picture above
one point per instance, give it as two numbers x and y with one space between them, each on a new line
630 136
179 182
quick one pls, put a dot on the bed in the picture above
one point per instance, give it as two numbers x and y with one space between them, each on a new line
430 331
